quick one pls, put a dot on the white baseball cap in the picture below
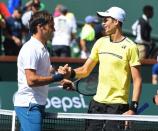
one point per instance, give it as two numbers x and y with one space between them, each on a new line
114 12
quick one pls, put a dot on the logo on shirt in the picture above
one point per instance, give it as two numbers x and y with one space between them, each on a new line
123 47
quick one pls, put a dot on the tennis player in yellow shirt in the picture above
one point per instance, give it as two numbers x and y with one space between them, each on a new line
118 60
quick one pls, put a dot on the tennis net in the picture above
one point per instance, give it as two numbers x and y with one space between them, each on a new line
79 121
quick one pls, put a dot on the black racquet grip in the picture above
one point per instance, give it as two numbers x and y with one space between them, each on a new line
73 74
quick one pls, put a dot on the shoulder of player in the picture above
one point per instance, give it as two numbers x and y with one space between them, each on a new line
102 39
130 42
29 45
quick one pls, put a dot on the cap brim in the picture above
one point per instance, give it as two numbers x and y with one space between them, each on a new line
103 14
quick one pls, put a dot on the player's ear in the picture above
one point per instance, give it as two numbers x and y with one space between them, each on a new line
116 22
39 26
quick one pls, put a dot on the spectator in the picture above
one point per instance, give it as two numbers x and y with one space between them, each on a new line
63 35
75 51
27 15
13 33
155 74
42 5
98 27
142 30
57 11
26 18
87 36
28 5
70 16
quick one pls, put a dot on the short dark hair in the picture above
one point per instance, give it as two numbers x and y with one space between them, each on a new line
18 9
64 10
40 17
147 8
36 5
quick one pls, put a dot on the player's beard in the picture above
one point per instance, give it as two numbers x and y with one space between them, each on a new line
49 35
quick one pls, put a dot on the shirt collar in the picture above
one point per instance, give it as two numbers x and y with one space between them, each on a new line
37 42
145 17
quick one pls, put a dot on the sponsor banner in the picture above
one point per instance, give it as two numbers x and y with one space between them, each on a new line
67 103
60 100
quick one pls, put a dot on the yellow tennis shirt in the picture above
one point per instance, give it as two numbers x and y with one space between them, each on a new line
115 60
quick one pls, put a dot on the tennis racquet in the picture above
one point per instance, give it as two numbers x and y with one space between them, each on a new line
86 86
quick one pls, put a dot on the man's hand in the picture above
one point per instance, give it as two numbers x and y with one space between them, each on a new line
129 112
67 84
128 123
65 70
17 41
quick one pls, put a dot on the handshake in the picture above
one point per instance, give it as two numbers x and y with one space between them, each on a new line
64 74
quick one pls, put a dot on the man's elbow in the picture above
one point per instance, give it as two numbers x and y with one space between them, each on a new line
31 82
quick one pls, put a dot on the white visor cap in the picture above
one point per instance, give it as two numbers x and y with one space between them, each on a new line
114 12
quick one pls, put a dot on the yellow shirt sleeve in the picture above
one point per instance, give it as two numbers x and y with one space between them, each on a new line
133 56
94 52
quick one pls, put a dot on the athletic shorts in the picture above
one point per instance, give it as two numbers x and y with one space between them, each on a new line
99 108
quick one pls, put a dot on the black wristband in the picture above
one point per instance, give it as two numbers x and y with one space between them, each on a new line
73 74
57 77
133 106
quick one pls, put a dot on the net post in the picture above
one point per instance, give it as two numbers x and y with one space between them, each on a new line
13 121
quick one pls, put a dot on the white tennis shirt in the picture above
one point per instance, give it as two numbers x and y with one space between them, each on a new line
63 30
26 18
33 55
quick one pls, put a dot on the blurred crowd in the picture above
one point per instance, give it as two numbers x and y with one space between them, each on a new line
68 40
